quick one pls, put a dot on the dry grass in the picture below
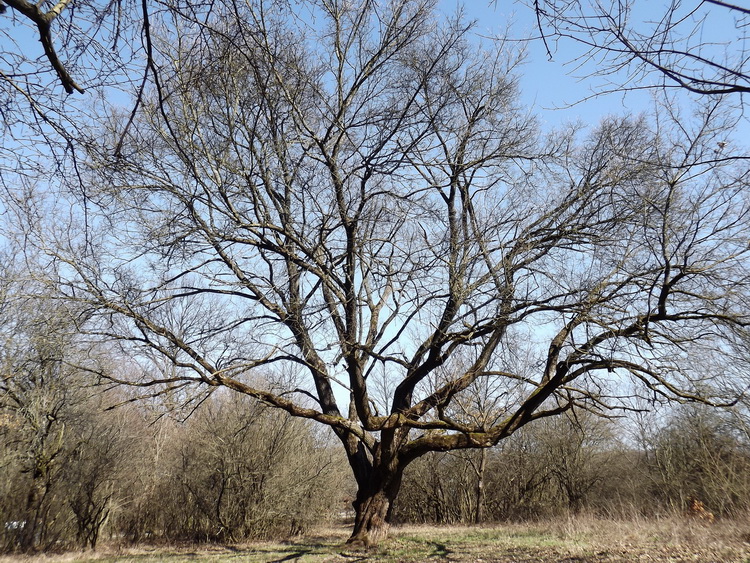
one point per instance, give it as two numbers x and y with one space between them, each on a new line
580 540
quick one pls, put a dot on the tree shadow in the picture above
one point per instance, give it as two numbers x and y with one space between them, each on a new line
356 557
294 555
440 550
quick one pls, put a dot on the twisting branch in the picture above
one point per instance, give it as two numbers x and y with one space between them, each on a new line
44 21
684 60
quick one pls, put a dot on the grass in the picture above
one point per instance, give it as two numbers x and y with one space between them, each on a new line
576 540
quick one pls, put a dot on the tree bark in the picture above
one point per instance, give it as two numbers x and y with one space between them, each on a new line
373 507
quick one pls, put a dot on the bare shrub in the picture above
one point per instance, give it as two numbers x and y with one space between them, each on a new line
700 455
236 470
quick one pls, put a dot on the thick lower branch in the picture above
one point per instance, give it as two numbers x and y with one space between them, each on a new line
43 21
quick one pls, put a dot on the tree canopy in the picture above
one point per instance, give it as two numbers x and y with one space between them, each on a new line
342 210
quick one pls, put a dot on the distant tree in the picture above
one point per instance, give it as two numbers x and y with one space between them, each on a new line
60 454
98 473
247 471
699 455
578 450
35 396
306 202
519 479
440 488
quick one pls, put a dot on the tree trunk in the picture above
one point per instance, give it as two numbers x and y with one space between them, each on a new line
479 496
373 507
30 527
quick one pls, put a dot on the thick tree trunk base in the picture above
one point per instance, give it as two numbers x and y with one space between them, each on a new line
367 539
371 523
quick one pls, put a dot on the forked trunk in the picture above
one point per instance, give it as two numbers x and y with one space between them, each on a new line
373 507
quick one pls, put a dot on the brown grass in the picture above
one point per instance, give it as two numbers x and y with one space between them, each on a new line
566 540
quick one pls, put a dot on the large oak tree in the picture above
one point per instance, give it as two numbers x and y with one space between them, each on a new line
339 208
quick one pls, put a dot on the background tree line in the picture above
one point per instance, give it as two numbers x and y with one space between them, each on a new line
77 471
80 460
611 469
232 472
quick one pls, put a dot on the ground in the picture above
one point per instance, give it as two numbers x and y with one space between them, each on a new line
579 540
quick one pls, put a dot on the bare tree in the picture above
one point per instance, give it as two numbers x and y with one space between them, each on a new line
699 456
100 463
698 46
482 405
33 401
46 408
576 451
250 472
308 201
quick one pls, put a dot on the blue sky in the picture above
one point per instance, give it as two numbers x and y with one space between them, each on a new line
559 92
554 90
550 87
